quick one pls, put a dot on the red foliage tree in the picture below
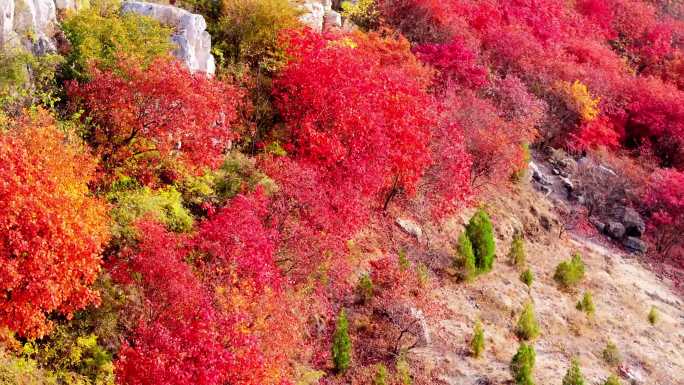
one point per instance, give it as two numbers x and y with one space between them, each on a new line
664 200
164 112
51 230
456 63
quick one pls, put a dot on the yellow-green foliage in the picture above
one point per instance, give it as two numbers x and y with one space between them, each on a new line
612 380
653 315
26 79
363 13
465 258
527 328
403 370
247 31
238 173
365 288
381 375
165 206
478 340
72 358
100 34
517 253
611 355
570 273
527 277
586 304
22 371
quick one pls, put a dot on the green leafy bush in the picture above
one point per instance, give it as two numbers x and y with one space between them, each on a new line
342 347
527 277
165 206
478 340
481 235
247 31
574 374
569 273
381 375
363 13
516 255
586 304
522 365
612 380
23 371
465 259
100 34
527 327
653 315
26 79
611 355
365 288
403 370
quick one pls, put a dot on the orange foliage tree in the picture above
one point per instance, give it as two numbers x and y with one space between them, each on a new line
51 229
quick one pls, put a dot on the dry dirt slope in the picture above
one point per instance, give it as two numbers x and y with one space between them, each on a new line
623 291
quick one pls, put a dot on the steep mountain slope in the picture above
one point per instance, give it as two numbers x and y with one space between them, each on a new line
623 292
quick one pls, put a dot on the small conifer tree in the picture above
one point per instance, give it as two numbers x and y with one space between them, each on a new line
517 253
569 273
466 258
404 263
522 365
481 235
342 347
527 277
586 304
380 377
403 371
365 288
653 315
612 380
527 328
611 355
478 340
574 374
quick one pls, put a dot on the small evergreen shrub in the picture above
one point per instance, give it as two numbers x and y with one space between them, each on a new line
611 355
522 365
527 277
527 328
342 347
403 372
653 315
381 375
481 235
478 340
365 288
404 263
516 255
569 273
612 380
574 374
465 260
586 304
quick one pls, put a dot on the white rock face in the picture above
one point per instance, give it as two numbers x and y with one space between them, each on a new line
194 42
31 23
319 15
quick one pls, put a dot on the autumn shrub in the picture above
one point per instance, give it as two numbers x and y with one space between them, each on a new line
516 255
522 365
363 13
662 200
139 119
417 20
27 79
570 273
611 355
527 327
586 304
101 35
48 265
247 32
23 371
527 277
341 346
477 341
481 234
574 374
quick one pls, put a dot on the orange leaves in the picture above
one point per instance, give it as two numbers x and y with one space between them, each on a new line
51 229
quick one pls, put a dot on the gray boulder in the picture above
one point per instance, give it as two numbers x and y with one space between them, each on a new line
615 230
635 244
410 227
634 224
538 175
192 40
